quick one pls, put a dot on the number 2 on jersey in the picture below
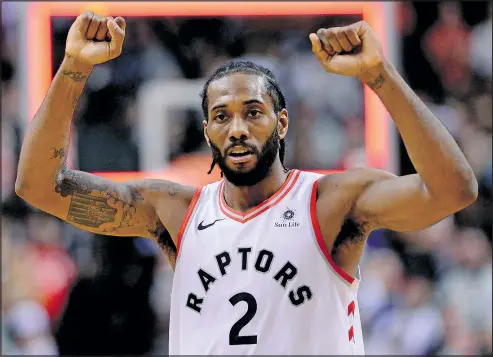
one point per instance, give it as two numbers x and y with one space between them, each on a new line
234 333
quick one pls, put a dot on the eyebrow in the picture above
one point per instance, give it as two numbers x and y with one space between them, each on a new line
246 102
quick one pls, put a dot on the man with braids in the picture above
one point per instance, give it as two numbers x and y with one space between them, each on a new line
274 143
266 260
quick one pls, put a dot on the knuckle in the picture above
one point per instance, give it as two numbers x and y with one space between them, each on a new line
87 15
331 35
98 18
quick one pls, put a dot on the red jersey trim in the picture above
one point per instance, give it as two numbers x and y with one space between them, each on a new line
320 241
262 207
183 227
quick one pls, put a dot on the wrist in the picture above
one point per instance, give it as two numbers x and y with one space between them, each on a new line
74 65
376 76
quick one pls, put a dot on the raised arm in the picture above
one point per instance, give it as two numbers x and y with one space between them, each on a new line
84 200
444 183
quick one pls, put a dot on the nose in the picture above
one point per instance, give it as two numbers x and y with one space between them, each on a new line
238 129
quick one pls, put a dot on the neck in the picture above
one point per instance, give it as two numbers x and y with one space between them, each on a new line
245 197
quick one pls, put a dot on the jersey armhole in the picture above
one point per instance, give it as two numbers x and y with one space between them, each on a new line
320 241
184 224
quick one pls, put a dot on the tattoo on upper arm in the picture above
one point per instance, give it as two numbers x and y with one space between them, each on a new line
136 196
92 201
90 211
70 182
158 186
172 189
377 83
75 76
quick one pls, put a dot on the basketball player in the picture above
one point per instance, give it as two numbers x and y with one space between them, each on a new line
266 260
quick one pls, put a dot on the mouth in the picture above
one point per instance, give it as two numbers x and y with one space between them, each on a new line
240 154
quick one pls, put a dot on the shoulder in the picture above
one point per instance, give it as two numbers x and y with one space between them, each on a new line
356 179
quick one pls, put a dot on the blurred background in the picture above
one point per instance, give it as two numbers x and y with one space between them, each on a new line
65 291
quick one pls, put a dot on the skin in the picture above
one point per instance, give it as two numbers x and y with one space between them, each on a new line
240 108
349 205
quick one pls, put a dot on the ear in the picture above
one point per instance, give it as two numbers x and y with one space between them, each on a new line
283 123
206 135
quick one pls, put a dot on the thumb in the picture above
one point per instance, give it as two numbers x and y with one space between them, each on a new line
117 36
120 21
344 64
318 49
316 44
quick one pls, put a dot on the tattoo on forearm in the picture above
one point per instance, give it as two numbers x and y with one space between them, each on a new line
75 76
377 83
58 153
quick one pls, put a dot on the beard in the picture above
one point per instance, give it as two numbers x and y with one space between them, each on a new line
265 159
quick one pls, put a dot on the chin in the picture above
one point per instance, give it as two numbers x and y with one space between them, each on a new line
241 171
244 167
244 177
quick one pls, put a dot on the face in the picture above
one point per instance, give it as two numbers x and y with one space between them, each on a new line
243 130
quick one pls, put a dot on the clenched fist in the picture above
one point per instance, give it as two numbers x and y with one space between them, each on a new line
95 39
349 51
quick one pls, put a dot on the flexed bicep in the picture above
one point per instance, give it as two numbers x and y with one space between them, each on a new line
399 203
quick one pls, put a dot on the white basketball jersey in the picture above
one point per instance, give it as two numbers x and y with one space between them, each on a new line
261 282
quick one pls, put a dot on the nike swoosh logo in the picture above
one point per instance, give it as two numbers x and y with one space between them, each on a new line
202 226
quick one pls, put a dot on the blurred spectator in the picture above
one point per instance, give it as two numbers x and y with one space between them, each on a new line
381 284
445 45
467 288
52 267
481 46
417 327
456 339
110 312
30 324
27 326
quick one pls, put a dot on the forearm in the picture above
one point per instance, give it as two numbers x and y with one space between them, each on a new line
434 153
45 145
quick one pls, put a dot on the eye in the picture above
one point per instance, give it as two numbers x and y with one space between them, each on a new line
254 113
219 117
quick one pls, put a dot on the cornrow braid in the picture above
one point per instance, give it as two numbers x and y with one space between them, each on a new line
271 85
